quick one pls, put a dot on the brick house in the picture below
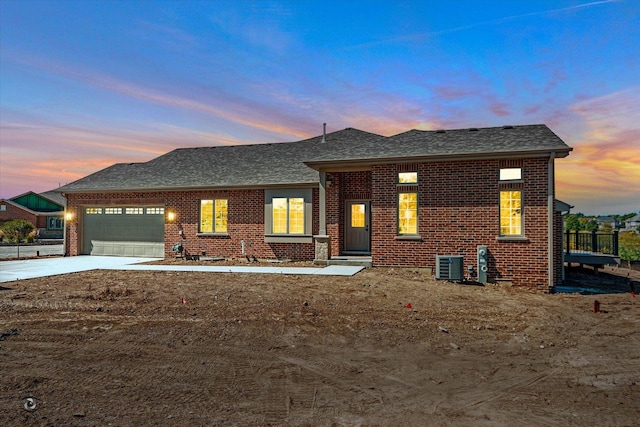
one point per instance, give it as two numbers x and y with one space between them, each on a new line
45 211
403 200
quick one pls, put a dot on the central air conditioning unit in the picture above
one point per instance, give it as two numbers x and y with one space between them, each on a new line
449 267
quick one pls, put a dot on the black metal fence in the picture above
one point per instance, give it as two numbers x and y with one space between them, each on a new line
591 241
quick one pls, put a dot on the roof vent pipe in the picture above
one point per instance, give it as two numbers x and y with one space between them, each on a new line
324 132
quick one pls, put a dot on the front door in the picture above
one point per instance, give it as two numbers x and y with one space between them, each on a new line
357 226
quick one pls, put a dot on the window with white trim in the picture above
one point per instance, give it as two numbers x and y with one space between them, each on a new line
54 223
214 215
407 213
511 213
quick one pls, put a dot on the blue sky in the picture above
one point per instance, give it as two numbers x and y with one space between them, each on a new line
85 84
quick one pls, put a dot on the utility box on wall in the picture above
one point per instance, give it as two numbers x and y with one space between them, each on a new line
483 265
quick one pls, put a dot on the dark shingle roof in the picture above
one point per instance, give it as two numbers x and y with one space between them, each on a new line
223 166
493 141
284 163
54 196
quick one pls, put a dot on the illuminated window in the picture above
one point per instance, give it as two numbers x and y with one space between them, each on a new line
510 174
288 215
511 213
134 211
221 214
408 213
155 211
213 216
358 215
408 178
93 211
112 211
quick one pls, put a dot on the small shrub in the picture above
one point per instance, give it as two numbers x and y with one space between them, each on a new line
17 230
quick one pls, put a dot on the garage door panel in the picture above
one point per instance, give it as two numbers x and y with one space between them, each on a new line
120 227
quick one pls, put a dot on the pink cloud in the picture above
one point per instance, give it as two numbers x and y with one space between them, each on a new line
37 155
220 105
499 108
534 109
603 171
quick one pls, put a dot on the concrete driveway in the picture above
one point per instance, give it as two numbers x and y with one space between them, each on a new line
32 268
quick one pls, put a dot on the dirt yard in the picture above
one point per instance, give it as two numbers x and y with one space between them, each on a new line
385 347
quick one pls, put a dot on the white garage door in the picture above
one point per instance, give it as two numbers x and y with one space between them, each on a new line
123 231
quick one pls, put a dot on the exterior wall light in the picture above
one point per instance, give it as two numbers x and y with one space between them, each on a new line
68 216
171 216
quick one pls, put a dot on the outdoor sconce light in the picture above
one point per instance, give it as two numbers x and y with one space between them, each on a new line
329 179
68 216
171 216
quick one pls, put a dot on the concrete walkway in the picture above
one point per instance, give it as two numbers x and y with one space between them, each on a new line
32 268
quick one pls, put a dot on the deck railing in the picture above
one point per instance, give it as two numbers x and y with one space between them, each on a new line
591 241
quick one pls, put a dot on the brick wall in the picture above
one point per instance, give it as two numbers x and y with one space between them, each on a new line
245 222
12 212
459 210
345 186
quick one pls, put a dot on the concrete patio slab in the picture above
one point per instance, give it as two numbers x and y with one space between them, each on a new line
33 268
334 270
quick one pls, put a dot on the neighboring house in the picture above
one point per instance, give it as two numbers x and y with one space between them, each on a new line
632 223
45 211
403 200
607 221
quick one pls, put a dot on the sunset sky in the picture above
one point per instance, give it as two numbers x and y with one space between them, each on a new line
86 84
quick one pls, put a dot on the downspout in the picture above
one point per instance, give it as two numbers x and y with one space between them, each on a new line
563 233
322 201
550 209
64 227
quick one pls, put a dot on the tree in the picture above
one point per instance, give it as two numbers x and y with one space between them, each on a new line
629 247
572 222
589 224
17 230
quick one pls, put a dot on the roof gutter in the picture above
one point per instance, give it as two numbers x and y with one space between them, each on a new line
190 188
322 164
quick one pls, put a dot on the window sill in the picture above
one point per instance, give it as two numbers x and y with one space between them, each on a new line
212 234
414 237
288 238
512 239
